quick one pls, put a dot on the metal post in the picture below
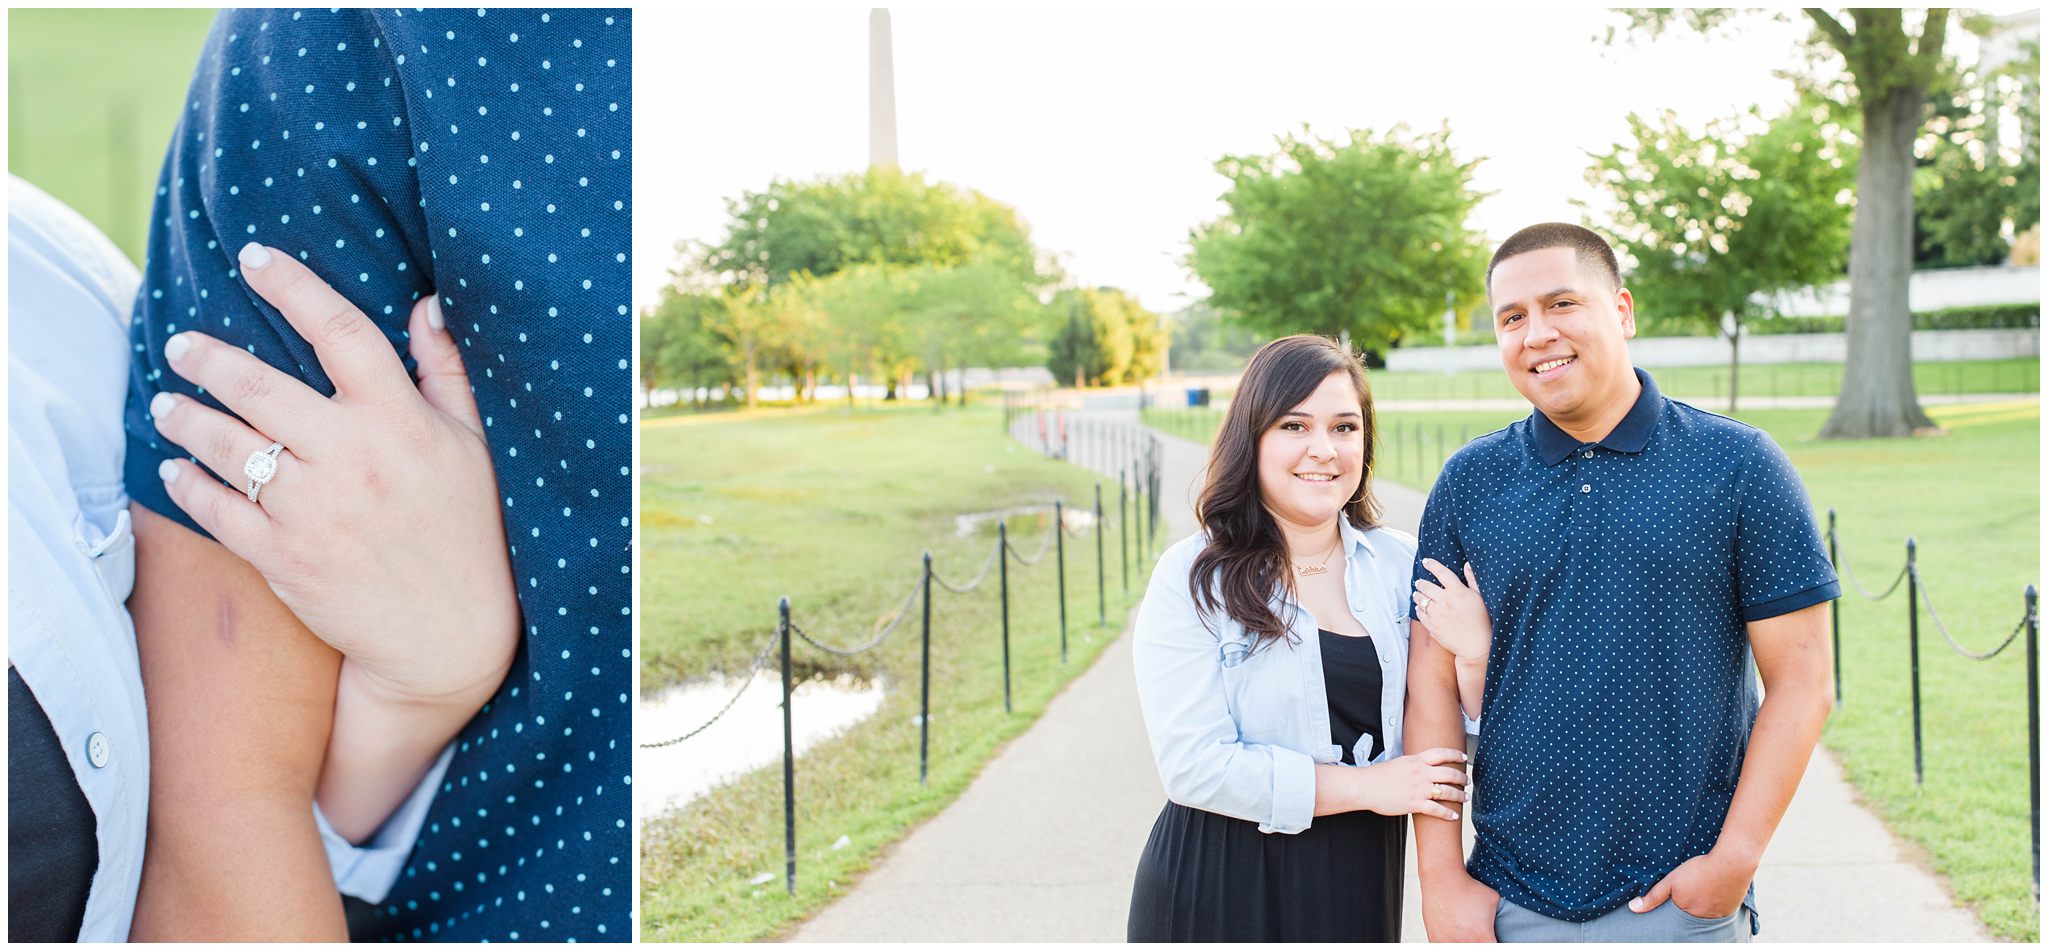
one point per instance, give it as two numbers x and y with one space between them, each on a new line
2034 727
924 703
1913 640
1059 526
1003 557
1835 608
1123 523
1101 585
788 763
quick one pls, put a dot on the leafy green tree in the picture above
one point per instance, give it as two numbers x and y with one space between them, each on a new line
679 348
880 216
1202 341
1891 66
1721 222
1102 337
1970 191
1359 237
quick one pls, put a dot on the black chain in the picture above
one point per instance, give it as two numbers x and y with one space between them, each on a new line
1851 574
753 668
1958 648
978 579
902 612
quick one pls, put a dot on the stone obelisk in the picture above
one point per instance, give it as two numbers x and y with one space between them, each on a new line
881 93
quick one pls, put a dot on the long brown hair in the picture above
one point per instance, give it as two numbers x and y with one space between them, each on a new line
1246 557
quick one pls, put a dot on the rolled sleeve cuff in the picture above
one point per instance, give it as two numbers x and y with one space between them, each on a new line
1817 594
1294 791
368 871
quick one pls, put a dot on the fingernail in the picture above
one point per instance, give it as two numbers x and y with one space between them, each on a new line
167 471
434 318
1454 814
161 405
175 347
254 257
1635 904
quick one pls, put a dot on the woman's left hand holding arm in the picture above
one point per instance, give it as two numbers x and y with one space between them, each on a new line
379 528
1457 618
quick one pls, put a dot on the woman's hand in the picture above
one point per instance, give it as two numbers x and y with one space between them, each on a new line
380 528
1417 783
1454 612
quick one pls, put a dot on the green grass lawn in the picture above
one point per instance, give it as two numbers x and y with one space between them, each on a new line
92 98
1971 500
834 509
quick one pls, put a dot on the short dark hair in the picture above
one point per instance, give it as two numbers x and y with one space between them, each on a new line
1588 246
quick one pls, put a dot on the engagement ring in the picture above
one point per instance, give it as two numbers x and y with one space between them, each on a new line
261 466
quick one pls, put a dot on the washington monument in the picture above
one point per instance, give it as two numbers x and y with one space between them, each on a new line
881 93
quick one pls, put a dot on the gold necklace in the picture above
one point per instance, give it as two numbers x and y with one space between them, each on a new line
1321 566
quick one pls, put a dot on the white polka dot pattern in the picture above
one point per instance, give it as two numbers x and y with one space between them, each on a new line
485 155
1621 689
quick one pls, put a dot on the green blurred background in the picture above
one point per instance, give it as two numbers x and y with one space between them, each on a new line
92 97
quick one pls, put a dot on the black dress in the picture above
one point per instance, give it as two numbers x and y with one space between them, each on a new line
1208 877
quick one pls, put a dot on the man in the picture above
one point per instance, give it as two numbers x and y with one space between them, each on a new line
1639 559
483 155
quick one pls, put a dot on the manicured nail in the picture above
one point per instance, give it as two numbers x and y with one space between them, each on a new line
1454 815
167 471
1635 904
161 405
434 318
175 347
254 257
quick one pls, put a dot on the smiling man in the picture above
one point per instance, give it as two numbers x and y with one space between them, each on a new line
1639 559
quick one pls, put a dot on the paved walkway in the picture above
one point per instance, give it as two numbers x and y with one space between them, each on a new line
1043 845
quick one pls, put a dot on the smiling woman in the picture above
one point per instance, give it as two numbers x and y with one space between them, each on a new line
1272 675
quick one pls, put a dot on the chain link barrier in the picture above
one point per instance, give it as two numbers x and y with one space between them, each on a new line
978 579
753 670
1953 644
1850 573
1044 546
902 611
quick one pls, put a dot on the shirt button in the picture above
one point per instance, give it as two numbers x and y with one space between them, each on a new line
96 749
1585 489
1588 454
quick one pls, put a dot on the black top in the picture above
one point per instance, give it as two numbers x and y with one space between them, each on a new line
52 836
1352 665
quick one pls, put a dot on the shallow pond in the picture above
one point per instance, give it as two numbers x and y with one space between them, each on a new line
747 737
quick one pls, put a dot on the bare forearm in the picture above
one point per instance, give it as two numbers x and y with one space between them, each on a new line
1788 725
1471 687
1432 721
239 698
381 746
1793 659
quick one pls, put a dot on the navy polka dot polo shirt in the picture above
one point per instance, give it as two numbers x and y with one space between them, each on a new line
1621 690
485 156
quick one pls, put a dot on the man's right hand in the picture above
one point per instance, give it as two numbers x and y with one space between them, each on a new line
1456 907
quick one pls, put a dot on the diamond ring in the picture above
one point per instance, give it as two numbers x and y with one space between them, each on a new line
262 465
1421 602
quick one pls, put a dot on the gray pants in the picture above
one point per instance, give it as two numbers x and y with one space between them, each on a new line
1664 923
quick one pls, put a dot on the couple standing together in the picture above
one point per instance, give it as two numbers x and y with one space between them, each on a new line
1591 590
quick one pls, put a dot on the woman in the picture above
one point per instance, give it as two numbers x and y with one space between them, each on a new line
1271 656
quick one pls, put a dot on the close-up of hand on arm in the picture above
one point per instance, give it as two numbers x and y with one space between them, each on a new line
378 528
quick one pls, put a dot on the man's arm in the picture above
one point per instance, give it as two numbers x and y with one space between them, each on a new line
240 696
1793 659
1455 907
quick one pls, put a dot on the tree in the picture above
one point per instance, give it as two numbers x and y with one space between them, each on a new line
1892 68
1360 237
678 345
880 216
1103 338
1970 191
1719 222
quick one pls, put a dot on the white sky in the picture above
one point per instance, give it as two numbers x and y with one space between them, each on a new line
1101 127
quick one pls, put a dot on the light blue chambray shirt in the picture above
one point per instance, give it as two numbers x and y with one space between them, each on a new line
1239 733
71 552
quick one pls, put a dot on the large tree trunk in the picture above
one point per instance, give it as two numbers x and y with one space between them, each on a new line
1877 398
1734 360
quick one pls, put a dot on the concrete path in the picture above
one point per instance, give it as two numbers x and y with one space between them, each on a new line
1044 844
